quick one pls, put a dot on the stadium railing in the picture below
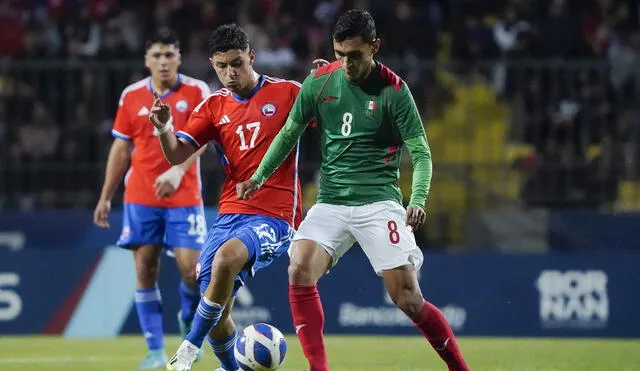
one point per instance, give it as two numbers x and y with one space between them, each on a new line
551 134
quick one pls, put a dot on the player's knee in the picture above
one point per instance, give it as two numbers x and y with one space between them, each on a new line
408 300
230 259
146 272
301 273
188 276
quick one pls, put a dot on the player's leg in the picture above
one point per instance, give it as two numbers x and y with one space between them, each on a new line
228 261
186 260
323 237
228 257
185 233
217 256
222 339
143 233
391 248
403 288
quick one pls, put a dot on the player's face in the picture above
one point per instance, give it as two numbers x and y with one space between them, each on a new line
234 68
163 61
356 57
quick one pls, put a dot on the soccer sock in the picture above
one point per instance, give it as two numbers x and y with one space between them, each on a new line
308 319
223 349
207 315
435 328
189 300
149 308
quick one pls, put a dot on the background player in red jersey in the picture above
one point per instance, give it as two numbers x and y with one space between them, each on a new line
162 203
243 118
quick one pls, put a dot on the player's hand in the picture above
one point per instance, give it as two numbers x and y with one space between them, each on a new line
246 189
101 214
168 182
160 113
319 63
415 217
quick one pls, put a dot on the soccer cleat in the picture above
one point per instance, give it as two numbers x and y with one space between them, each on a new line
222 369
184 357
184 330
155 359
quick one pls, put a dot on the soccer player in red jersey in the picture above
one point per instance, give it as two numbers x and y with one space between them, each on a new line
365 114
162 203
242 119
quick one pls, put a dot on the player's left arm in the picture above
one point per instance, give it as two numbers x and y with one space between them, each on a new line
408 120
169 181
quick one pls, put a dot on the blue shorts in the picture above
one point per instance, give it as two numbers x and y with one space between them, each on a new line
266 239
169 226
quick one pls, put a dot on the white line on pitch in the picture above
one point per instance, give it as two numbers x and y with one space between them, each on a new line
65 359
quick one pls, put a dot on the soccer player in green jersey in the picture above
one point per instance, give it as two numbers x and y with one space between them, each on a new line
364 112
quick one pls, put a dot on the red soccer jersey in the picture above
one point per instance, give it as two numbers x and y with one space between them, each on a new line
243 129
147 160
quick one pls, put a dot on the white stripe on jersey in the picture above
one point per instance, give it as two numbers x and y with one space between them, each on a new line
188 80
217 93
276 80
135 86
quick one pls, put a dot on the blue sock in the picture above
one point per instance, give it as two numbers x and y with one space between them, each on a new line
149 308
207 316
224 351
189 299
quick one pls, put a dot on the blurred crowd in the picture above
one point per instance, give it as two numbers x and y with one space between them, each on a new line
65 62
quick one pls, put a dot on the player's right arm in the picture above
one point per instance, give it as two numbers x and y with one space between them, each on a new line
117 164
181 146
300 115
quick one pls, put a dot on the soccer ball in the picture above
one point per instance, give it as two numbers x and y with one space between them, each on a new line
260 347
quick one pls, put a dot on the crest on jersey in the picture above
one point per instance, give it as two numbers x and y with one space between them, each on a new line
268 109
182 105
372 106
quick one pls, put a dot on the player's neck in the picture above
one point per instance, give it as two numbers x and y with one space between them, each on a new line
365 76
163 87
247 91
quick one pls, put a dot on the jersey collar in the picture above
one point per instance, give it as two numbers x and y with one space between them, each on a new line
173 88
261 80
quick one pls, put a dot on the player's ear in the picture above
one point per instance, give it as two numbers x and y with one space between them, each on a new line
146 60
375 46
252 56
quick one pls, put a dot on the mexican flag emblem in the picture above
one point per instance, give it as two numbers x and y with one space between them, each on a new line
371 106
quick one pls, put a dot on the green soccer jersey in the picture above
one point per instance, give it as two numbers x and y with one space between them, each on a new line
362 130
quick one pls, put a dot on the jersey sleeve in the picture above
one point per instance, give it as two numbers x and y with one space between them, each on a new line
200 128
405 114
122 127
303 107
204 89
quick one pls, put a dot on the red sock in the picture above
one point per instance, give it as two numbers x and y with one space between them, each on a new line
308 319
434 326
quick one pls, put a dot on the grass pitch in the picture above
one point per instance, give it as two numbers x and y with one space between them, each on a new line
347 353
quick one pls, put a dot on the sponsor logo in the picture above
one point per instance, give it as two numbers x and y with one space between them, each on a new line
245 311
573 299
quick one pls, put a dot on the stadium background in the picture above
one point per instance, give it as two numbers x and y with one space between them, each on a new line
531 109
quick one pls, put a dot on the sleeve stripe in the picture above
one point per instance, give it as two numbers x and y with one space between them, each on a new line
188 138
116 134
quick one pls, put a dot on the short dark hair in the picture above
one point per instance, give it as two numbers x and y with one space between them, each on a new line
354 23
228 37
165 36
